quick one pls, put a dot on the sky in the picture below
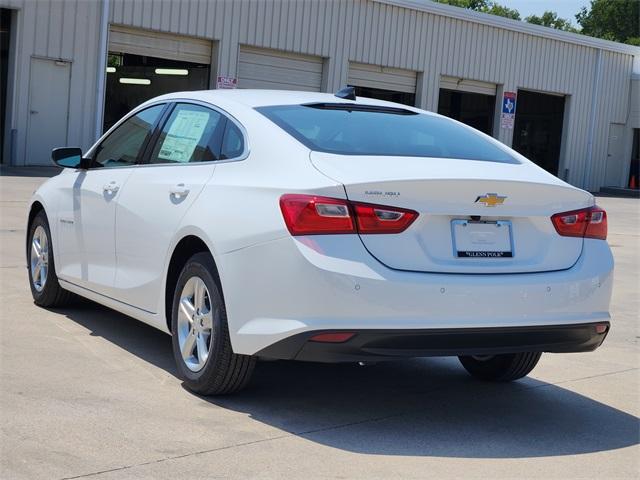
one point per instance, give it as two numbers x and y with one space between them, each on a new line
564 8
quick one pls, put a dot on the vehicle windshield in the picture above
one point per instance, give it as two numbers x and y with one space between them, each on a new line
349 129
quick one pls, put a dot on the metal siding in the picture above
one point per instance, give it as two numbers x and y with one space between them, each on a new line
634 114
611 109
362 31
65 29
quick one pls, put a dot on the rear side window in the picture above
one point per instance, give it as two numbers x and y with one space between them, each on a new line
232 143
191 134
363 130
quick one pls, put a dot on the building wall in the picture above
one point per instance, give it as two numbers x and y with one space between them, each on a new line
365 31
57 29
634 114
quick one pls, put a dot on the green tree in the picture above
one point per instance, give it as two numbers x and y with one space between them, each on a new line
551 19
468 4
502 11
616 20
484 6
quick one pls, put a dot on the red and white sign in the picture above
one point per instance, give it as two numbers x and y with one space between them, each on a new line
226 82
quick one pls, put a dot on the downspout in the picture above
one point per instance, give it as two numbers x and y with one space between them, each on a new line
586 174
102 68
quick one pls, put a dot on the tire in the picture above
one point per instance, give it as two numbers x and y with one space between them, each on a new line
501 368
46 289
199 326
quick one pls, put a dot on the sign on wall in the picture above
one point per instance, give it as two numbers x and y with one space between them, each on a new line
507 117
226 82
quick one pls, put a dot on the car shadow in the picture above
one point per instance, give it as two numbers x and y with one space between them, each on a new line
420 407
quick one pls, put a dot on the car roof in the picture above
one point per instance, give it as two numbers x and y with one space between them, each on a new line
260 98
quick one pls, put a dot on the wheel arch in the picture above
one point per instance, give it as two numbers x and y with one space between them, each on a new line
188 246
36 207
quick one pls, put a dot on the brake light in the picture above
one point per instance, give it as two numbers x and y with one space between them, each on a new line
315 215
382 219
587 223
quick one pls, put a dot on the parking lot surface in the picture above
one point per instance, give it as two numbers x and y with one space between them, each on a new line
88 392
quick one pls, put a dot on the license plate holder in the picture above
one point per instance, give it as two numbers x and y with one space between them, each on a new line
482 239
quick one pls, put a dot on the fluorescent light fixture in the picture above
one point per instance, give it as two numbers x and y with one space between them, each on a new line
135 81
171 71
111 69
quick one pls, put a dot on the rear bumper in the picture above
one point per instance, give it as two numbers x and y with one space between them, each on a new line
291 286
368 345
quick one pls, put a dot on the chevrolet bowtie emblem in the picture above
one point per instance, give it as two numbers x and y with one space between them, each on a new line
491 199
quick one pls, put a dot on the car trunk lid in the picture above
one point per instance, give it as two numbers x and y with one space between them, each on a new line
474 216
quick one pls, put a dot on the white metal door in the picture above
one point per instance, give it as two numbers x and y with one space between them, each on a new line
386 78
157 197
86 227
148 216
273 69
48 109
615 156
87 199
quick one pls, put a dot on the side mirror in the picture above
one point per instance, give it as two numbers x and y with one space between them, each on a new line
67 157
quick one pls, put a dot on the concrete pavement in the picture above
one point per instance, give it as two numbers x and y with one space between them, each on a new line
89 393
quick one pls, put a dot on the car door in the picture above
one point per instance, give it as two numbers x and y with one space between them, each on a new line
180 163
87 210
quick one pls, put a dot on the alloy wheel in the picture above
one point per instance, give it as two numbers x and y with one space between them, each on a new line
195 324
39 261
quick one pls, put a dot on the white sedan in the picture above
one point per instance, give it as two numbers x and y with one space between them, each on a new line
320 227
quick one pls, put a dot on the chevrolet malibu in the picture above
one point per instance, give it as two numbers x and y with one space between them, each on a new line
320 227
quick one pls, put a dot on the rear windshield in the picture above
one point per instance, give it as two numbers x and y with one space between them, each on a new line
360 130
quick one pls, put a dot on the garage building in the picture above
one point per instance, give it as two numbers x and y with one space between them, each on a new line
569 102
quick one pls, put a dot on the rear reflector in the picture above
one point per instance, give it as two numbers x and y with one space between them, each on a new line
587 223
338 337
315 215
601 327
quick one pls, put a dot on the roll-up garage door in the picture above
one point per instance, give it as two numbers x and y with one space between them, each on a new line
464 85
468 101
274 69
384 78
143 64
160 45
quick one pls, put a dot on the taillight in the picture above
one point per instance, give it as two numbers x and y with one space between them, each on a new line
587 223
315 215
382 219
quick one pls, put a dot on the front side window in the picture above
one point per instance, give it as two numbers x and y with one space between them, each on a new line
348 129
191 134
124 145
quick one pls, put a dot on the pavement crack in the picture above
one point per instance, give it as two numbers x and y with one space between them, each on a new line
321 429
240 444
589 377
177 457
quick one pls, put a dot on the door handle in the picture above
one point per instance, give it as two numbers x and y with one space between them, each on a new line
110 187
179 191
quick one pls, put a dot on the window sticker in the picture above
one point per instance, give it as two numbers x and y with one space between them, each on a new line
183 136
